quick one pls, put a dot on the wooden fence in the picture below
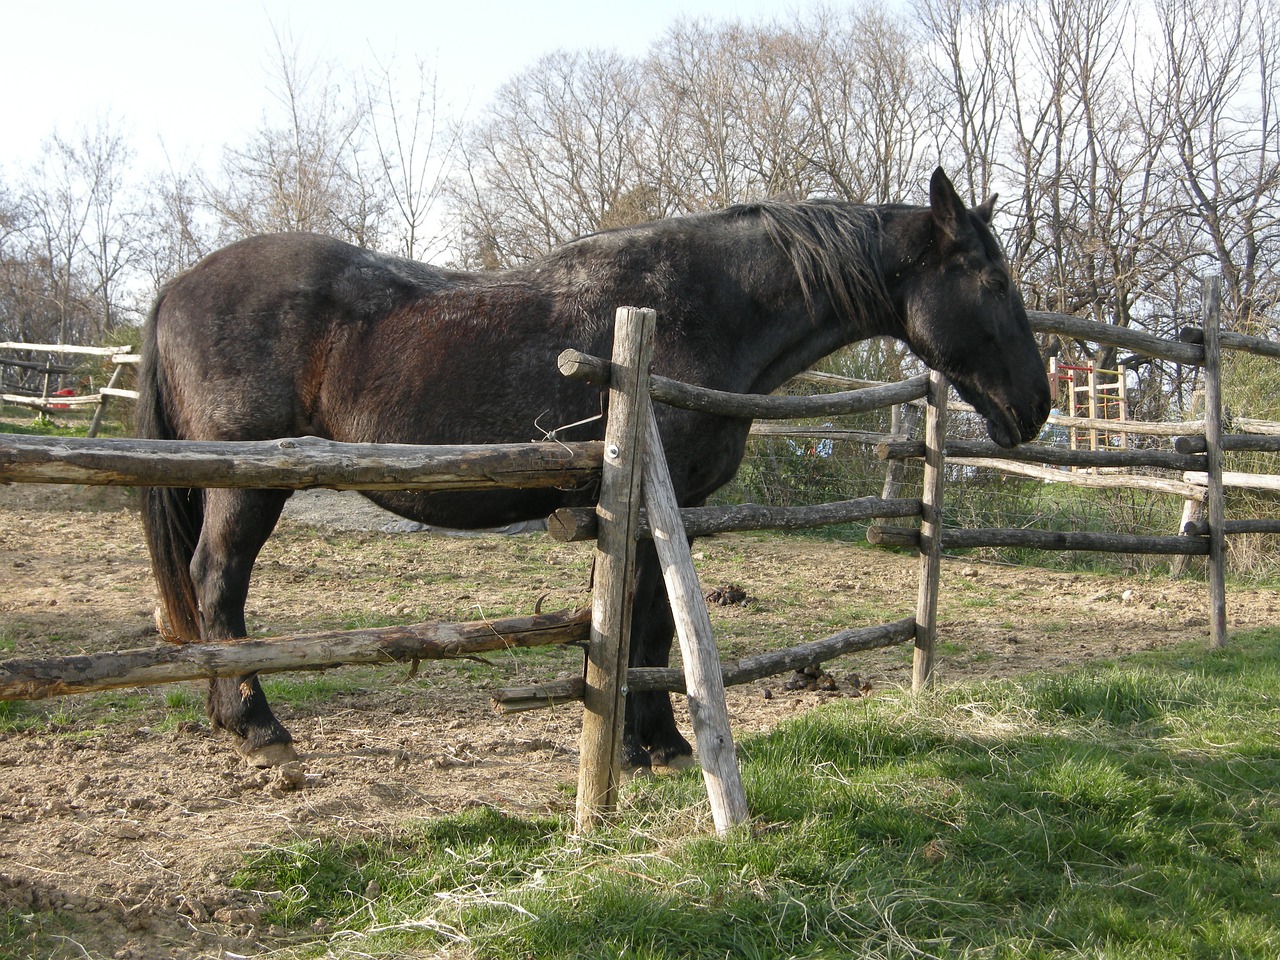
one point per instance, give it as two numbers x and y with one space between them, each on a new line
22 356
631 471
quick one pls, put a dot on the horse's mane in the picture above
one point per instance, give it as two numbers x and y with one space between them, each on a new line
834 247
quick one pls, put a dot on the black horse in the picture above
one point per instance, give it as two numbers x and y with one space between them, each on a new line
291 335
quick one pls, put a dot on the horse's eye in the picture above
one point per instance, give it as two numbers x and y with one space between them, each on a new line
997 283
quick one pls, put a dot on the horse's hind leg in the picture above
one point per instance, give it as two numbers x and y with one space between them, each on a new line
236 525
650 735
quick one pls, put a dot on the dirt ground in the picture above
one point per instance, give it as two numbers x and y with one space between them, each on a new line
131 829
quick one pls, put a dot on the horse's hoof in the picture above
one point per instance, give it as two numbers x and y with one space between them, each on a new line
642 772
681 761
267 755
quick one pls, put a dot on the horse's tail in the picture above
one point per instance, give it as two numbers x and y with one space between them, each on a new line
171 517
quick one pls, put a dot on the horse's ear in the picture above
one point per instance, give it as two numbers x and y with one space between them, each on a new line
949 212
985 209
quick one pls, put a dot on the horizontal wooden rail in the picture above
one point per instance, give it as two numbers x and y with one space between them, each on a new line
1042 453
1111 335
61 348
826 432
1232 478
1125 481
43 366
581 366
572 524
762 665
297 463
1235 442
50 402
735 672
954 538
1233 341
1200 528
37 678
1146 428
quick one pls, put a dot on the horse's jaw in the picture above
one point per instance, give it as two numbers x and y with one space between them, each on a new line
1008 423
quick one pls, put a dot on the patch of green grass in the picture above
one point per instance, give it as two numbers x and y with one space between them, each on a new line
47 934
18 716
1127 811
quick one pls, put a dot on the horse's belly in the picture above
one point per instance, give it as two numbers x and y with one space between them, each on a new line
476 511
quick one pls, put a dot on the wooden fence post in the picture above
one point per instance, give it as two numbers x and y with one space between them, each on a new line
618 510
905 418
935 437
96 424
704 681
1211 313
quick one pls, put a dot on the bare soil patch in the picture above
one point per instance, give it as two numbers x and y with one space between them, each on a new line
124 816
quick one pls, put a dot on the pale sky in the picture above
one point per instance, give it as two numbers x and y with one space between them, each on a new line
194 76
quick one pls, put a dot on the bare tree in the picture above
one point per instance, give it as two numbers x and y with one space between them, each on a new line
970 111
301 170
175 226
415 147
78 232
1220 93
552 156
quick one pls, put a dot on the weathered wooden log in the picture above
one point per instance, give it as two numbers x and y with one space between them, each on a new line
1146 428
581 366
761 665
929 585
60 348
1233 341
600 741
109 390
960 539
703 680
1111 335
1127 481
1215 502
821 433
1041 453
1233 478
1200 528
537 696
34 678
37 365
1249 425
906 418
296 463
572 524
1261 442
733 672
48 403
884 535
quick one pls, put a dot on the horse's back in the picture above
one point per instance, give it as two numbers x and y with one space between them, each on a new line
242 338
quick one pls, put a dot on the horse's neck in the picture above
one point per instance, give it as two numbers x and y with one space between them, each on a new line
793 333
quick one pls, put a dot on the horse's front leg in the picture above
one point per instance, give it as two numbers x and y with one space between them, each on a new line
650 736
236 525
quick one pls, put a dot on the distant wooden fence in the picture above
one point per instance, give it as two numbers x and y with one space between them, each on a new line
49 401
631 470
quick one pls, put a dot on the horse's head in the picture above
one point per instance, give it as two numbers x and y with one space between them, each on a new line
963 315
